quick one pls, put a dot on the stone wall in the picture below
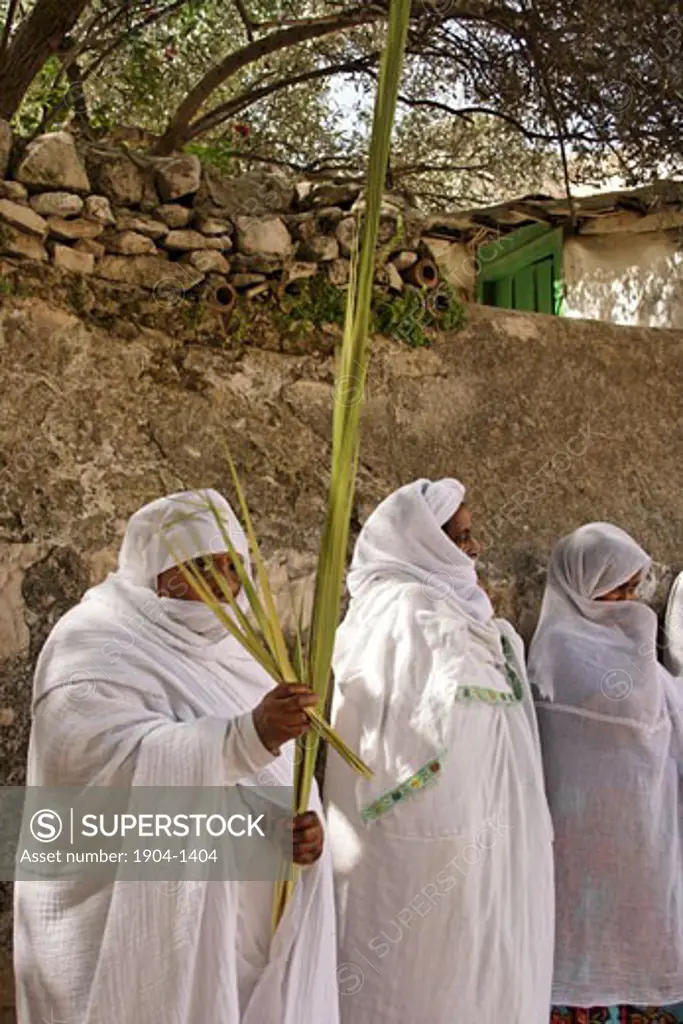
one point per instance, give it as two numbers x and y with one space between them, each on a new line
169 225
550 422
178 229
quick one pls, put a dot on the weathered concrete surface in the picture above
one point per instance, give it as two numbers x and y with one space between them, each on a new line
550 422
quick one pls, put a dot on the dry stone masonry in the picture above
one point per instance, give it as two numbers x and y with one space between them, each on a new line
167 224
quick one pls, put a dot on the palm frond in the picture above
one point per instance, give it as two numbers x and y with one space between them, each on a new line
267 644
276 662
349 394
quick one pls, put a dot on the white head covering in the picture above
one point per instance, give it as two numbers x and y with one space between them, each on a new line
592 561
186 523
403 539
121 618
183 522
444 498
598 655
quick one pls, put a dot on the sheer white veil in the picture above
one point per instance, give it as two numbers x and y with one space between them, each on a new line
597 655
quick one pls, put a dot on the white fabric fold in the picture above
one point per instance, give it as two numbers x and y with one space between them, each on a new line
611 742
444 498
673 628
187 524
403 539
123 696
470 853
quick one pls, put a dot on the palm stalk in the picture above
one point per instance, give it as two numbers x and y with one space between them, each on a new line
349 391
265 641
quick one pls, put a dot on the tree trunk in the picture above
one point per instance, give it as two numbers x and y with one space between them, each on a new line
79 102
39 36
178 130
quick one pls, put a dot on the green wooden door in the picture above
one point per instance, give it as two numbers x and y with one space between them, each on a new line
523 270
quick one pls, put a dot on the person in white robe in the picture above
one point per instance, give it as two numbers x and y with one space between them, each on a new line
141 685
609 717
673 628
443 861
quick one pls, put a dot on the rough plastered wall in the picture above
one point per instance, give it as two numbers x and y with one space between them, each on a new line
631 279
550 422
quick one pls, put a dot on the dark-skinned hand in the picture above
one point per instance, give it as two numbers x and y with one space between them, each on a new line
281 717
308 838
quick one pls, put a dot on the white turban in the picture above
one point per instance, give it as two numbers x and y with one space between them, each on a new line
184 522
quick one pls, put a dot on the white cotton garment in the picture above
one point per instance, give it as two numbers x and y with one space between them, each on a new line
444 498
197 617
445 902
673 628
126 695
611 737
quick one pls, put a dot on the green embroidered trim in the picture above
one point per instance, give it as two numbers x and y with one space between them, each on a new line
513 679
493 696
427 773
430 772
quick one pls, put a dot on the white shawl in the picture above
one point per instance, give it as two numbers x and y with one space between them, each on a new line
124 695
612 775
403 540
470 852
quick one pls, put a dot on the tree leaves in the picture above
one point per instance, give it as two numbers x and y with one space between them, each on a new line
490 86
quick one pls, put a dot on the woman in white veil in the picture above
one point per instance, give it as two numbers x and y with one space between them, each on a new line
443 860
609 738
141 685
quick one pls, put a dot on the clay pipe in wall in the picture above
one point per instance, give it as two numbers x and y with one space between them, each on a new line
438 303
423 274
222 297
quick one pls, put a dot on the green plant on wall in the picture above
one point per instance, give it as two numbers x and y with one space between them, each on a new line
402 317
317 301
406 316
409 315
219 154
452 315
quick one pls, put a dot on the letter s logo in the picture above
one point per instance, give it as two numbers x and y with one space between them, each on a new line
46 826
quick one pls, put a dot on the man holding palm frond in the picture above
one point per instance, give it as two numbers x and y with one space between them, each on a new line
443 861
142 685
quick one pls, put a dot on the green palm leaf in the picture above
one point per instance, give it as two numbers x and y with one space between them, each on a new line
349 393
267 642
